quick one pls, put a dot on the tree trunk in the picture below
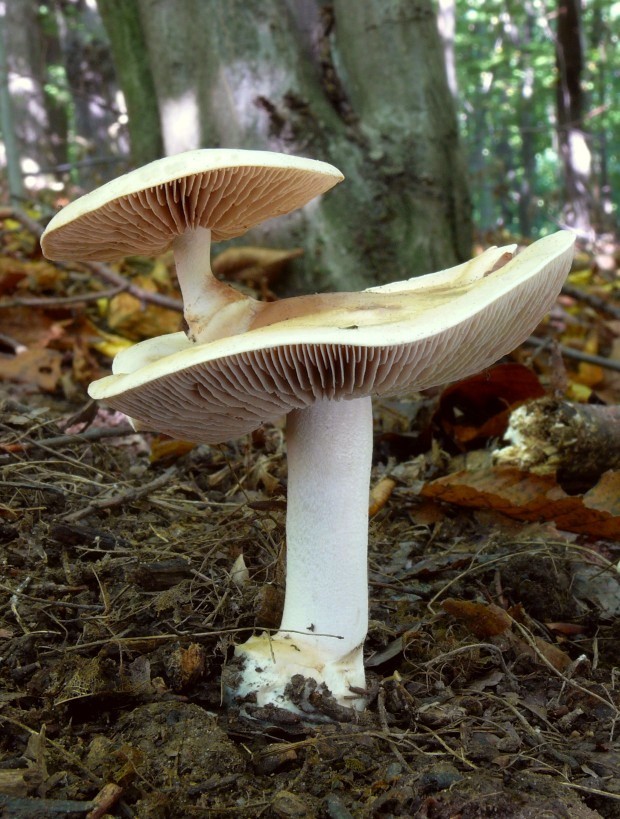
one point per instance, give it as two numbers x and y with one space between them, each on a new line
526 123
574 149
446 19
360 85
97 140
26 78
7 128
124 28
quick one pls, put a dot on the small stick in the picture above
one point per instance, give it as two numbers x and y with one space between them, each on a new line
591 300
577 355
105 799
15 600
41 301
102 271
88 436
130 494
31 806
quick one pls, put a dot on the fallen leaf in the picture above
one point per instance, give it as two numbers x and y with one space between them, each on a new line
567 629
478 408
39 367
167 449
552 654
380 494
530 497
132 318
482 619
31 326
251 264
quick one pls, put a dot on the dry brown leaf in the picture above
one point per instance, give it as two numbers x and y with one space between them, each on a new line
39 367
482 619
535 497
251 264
186 665
478 407
136 320
380 494
167 449
552 654
30 326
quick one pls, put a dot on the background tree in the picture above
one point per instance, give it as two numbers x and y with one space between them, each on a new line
122 21
26 43
573 143
515 117
364 90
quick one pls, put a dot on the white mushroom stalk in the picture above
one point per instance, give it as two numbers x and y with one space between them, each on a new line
211 308
325 617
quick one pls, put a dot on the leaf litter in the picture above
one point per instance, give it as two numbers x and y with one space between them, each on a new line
131 564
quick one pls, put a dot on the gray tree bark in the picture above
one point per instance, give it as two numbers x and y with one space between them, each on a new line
24 51
124 28
359 84
7 128
96 139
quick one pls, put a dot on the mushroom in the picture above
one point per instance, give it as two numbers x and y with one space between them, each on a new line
186 201
318 359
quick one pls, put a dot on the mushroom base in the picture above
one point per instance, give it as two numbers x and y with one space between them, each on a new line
267 667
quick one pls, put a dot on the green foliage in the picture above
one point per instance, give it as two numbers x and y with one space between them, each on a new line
506 67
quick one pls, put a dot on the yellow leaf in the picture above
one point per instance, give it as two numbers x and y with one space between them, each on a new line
578 392
110 344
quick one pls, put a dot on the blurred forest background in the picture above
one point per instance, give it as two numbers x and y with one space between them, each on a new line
465 117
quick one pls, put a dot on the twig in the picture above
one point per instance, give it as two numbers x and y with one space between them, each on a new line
107 274
386 731
102 271
21 216
593 791
130 494
88 436
23 807
15 600
460 757
42 301
463 649
105 799
527 636
577 355
590 299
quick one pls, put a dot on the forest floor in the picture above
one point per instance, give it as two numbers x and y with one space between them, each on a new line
493 654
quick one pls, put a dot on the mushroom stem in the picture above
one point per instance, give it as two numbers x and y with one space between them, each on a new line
211 308
325 617
329 453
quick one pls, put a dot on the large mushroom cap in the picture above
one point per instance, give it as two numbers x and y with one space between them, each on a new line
340 346
227 191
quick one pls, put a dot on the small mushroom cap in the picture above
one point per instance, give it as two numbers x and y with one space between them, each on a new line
340 346
227 191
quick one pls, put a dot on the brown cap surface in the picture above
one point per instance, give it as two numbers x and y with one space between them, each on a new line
340 346
227 191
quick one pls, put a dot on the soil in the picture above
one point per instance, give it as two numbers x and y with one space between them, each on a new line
120 608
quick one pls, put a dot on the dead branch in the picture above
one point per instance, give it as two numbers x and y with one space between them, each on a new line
132 493
576 355
576 441
88 436
591 300
26 807
62 301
